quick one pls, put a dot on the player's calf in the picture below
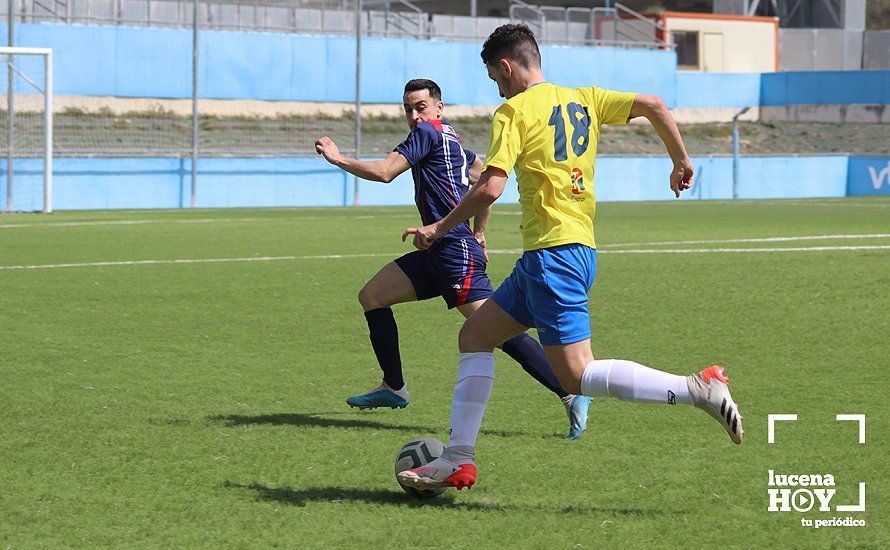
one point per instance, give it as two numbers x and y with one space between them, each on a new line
629 381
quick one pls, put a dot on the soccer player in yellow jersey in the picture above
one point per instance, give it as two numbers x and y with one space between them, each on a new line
548 135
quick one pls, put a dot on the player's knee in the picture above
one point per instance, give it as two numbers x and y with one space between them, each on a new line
465 339
369 299
472 339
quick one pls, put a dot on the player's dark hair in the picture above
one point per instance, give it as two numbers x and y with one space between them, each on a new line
516 42
424 84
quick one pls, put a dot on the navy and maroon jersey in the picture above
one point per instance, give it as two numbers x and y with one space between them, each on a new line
441 170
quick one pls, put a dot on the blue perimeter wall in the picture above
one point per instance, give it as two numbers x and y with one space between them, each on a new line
775 89
155 62
869 176
825 88
166 182
151 62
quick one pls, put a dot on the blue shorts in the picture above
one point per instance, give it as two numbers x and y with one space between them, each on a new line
453 269
548 290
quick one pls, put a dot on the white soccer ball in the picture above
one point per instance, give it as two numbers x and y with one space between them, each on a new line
415 453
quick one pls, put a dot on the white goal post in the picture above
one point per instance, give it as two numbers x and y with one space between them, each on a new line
19 78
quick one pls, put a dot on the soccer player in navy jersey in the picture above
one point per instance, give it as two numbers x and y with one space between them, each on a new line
454 268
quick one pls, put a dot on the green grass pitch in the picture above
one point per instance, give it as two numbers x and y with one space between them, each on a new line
179 404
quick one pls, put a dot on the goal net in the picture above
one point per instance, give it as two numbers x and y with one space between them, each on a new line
26 129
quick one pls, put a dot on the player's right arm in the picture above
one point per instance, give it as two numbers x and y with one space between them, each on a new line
384 170
653 108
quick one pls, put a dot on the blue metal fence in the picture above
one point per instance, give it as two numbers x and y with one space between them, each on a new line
230 182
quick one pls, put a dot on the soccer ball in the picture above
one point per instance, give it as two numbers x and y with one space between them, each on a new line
415 453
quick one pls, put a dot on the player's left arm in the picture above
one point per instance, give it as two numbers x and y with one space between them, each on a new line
482 195
654 109
384 170
480 220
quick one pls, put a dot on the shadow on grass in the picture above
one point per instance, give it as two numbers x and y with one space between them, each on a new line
329 420
301 497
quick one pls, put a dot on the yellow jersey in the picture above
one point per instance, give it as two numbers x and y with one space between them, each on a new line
548 134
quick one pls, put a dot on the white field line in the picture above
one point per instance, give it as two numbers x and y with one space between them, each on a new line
762 240
114 222
396 254
389 213
213 220
197 220
198 261
804 202
730 250
370 217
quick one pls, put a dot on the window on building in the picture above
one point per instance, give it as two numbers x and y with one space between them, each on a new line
687 49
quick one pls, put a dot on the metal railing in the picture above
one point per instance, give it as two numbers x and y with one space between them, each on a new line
624 27
531 15
385 18
633 25
256 15
412 22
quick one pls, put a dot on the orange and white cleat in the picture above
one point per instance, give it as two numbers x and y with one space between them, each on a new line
710 392
440 473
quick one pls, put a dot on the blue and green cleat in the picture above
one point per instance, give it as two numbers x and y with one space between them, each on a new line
381 396
577 411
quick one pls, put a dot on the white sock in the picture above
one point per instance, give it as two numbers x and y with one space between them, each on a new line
475 378
403 392
631 381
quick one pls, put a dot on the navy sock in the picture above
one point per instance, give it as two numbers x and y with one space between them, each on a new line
529 353
385 340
